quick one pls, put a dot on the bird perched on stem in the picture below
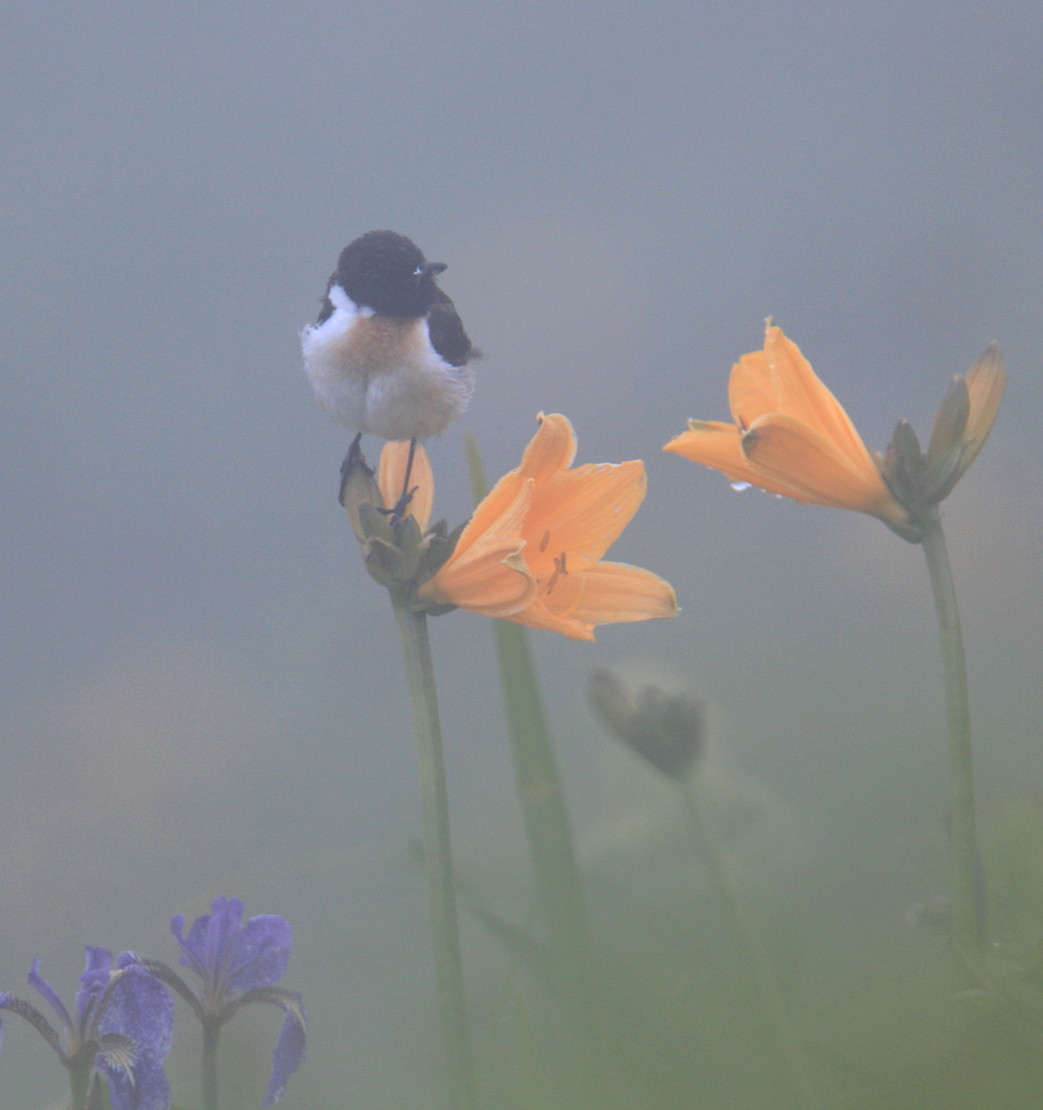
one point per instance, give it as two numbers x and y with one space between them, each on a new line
388 353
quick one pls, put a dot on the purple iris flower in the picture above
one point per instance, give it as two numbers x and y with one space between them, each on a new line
238 963
120 1029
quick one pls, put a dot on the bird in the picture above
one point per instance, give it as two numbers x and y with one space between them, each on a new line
388 354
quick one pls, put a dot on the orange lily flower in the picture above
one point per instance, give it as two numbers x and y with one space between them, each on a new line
491 577
532 552
791 436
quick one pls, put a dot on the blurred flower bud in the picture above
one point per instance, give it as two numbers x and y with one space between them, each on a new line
930 913
666 730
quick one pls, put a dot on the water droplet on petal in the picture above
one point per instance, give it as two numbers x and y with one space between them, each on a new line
740 486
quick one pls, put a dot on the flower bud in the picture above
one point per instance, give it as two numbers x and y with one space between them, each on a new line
666 730
358 487
392 550
965 418
946 450
904 466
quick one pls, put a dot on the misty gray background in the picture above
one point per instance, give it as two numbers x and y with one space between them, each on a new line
201 687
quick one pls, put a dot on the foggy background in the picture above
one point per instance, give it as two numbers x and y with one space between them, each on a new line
201 687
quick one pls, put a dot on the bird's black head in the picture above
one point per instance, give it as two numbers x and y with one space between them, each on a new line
387 272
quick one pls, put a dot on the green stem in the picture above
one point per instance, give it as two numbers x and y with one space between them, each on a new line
79 1082
967 926
416 647
539 785
543 807
752 954
211 1035
547 831
549 838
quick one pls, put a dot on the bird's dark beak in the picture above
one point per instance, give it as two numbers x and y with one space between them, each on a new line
433 268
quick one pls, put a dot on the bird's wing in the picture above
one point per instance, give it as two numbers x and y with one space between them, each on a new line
447 331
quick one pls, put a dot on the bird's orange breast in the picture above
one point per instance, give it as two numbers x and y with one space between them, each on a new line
380 344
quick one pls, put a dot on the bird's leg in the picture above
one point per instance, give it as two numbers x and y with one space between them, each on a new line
407 494
352 458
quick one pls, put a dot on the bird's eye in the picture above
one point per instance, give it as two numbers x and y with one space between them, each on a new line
418 272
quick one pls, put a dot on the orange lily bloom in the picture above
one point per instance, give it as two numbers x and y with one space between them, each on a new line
491 577
532 552
791 436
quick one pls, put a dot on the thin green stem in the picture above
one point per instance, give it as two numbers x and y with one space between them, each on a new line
549 837
548 834
543 806
752 955
79 1082
211 1036
967 924
416 647
538 784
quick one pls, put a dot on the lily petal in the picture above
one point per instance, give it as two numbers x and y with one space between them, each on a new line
391 477
617 592
583 511
551 449
606 593
487 574
779 379
719 446
796 455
